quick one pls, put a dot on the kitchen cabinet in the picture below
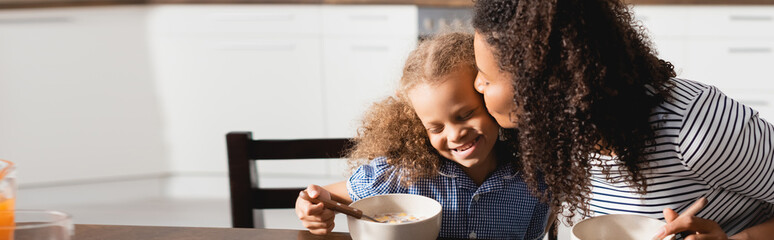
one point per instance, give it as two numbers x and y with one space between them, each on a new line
731 47
364 49
357 73
731 22
77 99
734 64
227 68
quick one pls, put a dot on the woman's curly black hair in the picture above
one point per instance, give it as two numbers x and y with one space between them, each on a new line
581 71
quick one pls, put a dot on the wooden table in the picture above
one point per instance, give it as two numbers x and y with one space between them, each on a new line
117 232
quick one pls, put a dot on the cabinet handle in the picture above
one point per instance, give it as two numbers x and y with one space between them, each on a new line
370 48
240 17
245 46
34 20
369 17
742 50
750 18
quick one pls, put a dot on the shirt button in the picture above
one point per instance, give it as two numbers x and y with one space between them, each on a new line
472 235
475 198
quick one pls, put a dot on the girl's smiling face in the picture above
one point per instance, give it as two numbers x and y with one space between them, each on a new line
494 84
456 120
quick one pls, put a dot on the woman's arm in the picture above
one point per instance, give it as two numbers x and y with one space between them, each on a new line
708 229
734 152
764 230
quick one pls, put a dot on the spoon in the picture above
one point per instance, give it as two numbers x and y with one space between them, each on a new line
336 206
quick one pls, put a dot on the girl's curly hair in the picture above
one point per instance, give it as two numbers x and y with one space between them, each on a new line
581 71
391 128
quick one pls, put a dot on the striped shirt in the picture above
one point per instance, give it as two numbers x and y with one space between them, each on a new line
501 208
706 145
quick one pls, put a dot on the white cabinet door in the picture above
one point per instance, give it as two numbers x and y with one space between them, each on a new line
665 27
77 101
663 20
358 73
213 85
732 64
364 49
674 51
224 68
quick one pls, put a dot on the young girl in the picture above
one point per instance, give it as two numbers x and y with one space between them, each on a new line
436 139
610 127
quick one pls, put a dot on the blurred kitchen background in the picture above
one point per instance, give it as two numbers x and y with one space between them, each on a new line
116 110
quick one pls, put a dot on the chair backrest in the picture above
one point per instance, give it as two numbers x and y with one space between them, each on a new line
243 151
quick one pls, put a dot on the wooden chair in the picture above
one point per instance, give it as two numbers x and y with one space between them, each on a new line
243 151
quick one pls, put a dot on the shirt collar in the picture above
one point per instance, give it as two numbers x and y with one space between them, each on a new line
503 175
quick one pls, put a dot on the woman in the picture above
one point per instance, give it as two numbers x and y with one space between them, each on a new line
611 128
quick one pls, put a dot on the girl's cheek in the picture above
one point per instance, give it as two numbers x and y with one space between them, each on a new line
435 141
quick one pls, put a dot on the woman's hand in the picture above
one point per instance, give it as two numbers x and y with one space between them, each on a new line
315 217
700 229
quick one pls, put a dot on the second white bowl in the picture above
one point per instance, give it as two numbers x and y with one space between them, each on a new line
618 227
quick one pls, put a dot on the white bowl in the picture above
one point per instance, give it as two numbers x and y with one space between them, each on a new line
425 208
618 227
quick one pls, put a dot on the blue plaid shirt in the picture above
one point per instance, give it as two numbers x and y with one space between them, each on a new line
501 208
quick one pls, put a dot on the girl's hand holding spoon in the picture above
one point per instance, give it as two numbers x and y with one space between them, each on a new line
315 216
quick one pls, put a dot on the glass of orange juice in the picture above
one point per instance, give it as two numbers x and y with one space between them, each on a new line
37 225
7 197
7 190
27 224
